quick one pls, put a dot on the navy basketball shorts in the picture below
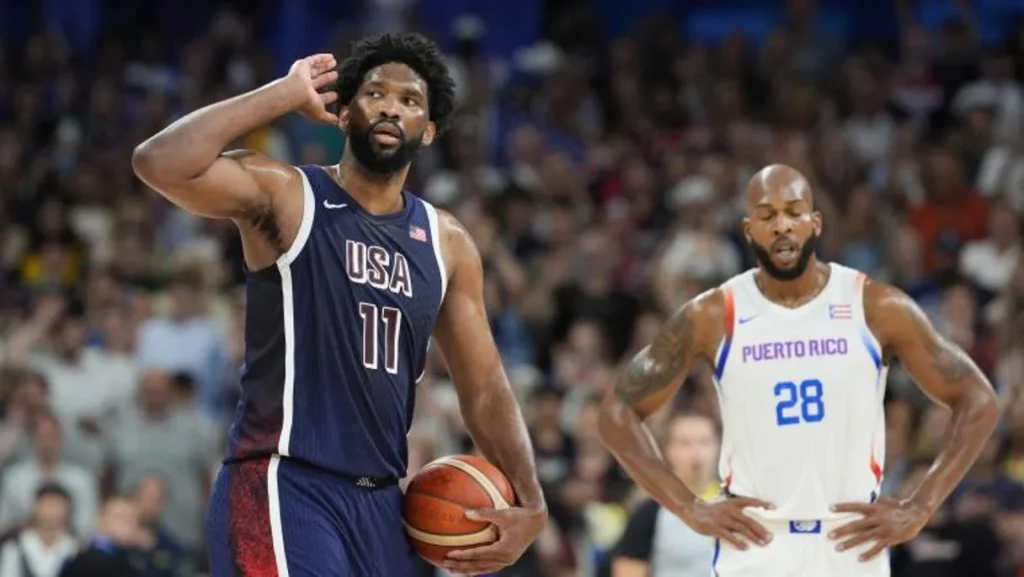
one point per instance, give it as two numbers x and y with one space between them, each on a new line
277 518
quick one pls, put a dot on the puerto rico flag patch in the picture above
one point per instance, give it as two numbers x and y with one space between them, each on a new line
840 311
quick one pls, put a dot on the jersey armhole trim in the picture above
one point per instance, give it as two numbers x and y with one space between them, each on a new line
871 343
306 226
728 324
435 240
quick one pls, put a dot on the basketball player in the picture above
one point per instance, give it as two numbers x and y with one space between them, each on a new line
348 276
800 350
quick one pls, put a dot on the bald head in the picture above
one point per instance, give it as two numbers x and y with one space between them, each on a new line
778 184
781 226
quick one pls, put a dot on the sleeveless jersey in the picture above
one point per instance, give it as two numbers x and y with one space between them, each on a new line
801 392
336 335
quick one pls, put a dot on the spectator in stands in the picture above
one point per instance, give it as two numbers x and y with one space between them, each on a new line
1014 463
162 438
184 387
1010 526
41 548
998 90
159 554
946 547
599 177
656 543
108 552
54 258
555 450
898 428
991 261
21 481
952 214
187 339
987 484
84 384
27 398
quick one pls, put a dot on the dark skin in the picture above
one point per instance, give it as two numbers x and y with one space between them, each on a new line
185 163
780 216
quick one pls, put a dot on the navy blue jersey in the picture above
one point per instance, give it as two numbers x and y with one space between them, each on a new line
336 335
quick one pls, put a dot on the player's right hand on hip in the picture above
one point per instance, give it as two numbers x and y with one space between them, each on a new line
308 77
725 520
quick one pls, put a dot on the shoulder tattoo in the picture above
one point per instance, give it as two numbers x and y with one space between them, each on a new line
659 365
948 360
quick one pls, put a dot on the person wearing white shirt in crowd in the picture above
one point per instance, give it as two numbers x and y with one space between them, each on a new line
656 543
991 261
46 465
42 547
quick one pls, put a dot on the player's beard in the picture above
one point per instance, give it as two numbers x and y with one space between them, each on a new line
764 258
383 163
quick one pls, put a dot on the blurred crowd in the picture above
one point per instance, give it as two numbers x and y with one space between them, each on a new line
602 180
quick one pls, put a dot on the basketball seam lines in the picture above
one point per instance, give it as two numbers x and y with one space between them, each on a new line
447 502
485 483
486 535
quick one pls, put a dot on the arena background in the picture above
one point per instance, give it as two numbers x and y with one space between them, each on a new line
598 159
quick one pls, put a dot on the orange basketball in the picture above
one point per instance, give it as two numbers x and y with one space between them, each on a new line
438 497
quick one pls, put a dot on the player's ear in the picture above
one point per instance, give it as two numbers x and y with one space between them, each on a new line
343 118
816 221
745 228
429 133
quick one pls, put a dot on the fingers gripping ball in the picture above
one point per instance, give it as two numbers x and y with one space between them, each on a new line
439 496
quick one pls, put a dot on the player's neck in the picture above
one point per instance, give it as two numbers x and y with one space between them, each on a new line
794 292
377 194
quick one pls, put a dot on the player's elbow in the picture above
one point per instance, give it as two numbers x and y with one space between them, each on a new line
150 164
144 161
613 417
976 405
980 402
161 163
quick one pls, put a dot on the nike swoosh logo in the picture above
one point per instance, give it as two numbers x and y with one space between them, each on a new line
748 319
329 205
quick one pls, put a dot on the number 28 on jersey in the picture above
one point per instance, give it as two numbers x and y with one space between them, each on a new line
799 402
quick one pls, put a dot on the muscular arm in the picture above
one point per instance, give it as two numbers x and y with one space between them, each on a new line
185 162
943 372
650 381
488 406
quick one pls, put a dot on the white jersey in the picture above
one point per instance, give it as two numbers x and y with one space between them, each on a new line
801 392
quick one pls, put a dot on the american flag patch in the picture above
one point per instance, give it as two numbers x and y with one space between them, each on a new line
417 233
840 311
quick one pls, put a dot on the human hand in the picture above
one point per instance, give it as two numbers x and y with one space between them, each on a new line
49 309
725 520
888 522
517 528
309 75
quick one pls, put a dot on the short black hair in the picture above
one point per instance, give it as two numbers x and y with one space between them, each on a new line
421 54
51 489
184 382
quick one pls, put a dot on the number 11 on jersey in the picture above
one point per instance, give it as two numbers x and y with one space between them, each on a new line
808 394
392 321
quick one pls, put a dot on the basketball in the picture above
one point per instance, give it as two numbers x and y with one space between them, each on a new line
438 497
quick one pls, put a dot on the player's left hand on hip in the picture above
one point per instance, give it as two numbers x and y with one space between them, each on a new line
517 529
887 522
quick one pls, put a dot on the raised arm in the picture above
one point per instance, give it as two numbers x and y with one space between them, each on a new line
650 381
949 377
488 406
186 162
